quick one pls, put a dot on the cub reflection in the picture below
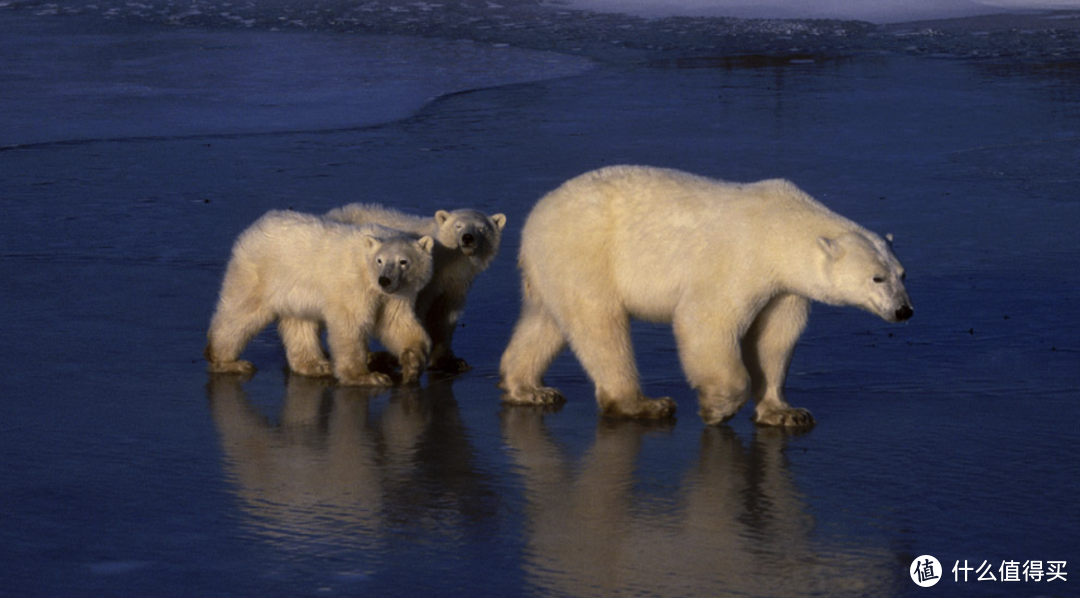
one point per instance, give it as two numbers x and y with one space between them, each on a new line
340 471
736 524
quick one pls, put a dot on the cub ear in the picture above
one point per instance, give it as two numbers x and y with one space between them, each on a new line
499 220
888 238
830 247
426 243
371 243
441 217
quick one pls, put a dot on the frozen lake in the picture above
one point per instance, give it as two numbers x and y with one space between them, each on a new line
132 154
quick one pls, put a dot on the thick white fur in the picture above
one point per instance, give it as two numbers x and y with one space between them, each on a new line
306 270
466 241
732 266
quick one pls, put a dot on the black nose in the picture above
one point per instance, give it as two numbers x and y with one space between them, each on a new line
904 313
467 239
384 281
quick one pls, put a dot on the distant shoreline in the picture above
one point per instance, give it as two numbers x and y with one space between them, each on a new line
610 38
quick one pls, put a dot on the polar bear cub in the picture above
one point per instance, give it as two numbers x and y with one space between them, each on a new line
733 267
466 242
359 281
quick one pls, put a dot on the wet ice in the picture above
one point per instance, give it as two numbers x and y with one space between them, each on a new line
169 82
128 470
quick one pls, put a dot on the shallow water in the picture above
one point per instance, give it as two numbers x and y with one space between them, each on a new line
128 470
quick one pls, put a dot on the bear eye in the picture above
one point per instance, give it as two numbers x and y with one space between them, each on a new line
404 262
378 261
879 279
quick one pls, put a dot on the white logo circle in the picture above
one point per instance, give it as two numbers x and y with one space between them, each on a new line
925 571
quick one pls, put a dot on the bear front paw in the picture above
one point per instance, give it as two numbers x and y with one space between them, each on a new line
540 395
787 418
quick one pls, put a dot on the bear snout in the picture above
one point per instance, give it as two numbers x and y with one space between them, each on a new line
384 281
468 239
904 313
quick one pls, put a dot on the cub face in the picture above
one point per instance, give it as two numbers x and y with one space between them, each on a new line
400 264
863 271
474 233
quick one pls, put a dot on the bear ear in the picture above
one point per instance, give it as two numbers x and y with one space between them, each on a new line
889 238
499 220
441 217
830 247
371 243
426 243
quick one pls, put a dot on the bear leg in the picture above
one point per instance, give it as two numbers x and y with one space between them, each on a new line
767 349
233 326
536 341
348 347
600 337
712 361
302 347
440 322
402 334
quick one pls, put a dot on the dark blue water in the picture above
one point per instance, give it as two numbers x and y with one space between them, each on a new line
127 470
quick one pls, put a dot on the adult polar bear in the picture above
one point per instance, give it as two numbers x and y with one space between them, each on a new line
732 266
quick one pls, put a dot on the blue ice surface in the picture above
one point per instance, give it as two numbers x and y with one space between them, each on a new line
130 471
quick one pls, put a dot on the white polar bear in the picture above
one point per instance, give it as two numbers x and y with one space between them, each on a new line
360 281
466 241
732 266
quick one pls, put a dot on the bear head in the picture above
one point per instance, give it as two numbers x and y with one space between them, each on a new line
400 264
474 233
861 270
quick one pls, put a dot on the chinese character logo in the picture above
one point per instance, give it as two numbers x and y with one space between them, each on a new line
925 571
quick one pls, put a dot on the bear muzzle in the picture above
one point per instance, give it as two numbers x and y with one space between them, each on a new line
904 313
469 244
387 284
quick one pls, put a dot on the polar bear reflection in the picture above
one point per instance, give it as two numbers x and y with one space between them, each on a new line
737 525
338 475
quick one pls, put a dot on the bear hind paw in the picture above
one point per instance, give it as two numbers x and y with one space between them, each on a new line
640 408
787 418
